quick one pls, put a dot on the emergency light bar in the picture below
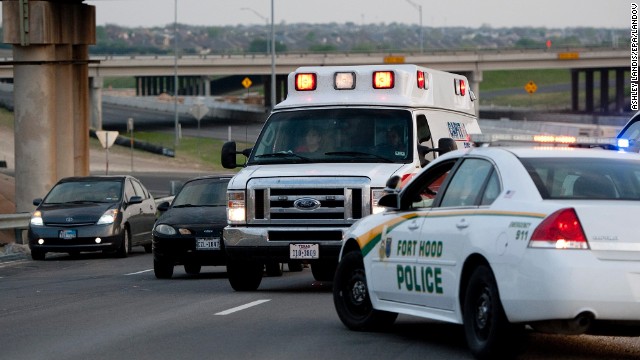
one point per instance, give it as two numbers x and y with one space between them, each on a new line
383 79
546 140
306 82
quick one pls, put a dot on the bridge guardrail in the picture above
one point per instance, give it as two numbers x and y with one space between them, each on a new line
20 221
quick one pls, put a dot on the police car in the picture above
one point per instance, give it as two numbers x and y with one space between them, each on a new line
499 238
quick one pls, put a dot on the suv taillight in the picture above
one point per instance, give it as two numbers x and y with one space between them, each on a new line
560 230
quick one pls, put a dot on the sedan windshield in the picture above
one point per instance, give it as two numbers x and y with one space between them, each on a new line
205 192
85 191
335 135
585 178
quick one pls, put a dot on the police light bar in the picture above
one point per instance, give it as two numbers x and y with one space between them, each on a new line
306 81
383 80
547 140
344 81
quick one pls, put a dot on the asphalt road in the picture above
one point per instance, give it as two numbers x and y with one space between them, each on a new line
95 307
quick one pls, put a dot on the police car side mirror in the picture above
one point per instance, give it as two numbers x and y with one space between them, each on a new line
389 201
392 184
228 155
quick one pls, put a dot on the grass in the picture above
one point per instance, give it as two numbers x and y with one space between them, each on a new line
509 79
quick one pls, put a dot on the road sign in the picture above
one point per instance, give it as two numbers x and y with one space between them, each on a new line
199 110
531 87
246 82
107 138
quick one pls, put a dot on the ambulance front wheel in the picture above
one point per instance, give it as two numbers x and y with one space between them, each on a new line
351 297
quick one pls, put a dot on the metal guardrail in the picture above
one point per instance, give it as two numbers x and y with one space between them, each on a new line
20 221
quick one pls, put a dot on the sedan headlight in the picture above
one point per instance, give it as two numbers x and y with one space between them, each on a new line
236 212
165 229
108 217
36 219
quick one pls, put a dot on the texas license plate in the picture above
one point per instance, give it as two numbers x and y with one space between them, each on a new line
207 243
304 251
67 234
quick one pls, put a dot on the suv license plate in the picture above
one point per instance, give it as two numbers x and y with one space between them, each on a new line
207 243
304 251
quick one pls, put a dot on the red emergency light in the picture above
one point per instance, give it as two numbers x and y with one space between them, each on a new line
383 80
306 81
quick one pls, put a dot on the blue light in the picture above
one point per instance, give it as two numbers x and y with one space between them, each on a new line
623 143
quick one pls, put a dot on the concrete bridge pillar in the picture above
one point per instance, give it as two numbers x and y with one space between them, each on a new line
50 51
476 79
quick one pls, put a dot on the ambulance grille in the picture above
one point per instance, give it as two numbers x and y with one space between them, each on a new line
293 201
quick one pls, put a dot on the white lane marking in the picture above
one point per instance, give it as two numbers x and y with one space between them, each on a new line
138 272
242 307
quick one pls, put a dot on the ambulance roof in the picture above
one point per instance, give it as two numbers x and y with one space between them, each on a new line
441 89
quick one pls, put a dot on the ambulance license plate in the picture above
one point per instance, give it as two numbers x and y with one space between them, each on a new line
207 243
304 251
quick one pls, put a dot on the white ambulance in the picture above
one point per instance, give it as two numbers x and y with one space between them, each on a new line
324 155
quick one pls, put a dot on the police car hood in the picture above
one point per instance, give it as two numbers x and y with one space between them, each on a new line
377 173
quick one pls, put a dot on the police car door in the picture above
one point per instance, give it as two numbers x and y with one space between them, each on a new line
445 231
395 272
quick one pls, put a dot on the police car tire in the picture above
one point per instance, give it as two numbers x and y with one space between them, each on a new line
244 275
351 297
488 332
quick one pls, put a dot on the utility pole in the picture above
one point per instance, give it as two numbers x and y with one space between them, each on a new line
419 8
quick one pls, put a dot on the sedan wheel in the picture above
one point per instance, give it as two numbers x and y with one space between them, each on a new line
351 297
192 269
38 255
162 269
125 246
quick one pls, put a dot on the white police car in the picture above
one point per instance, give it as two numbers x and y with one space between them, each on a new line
496 238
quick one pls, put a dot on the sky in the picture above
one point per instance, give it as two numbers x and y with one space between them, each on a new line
468 13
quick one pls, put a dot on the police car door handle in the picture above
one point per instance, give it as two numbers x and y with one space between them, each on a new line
462 224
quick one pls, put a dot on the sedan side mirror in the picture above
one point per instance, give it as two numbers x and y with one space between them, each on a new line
135 200
37 201
164 206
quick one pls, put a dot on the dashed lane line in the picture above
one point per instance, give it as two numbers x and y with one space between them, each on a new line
242 307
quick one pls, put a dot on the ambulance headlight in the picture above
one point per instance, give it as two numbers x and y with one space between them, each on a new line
376 194
236 211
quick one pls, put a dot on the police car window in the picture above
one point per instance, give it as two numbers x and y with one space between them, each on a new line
585 178
492 190
422 192
466 184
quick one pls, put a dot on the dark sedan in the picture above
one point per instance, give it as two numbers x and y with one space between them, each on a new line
93 213
189 232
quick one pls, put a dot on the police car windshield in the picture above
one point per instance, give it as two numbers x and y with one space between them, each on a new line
585 178
337 135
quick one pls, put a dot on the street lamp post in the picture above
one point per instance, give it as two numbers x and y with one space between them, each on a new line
273 60
266 19
175 73
419 8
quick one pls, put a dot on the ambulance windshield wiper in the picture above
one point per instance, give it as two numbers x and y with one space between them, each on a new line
359 155
284 154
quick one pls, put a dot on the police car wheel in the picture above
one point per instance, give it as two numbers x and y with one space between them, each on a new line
488 332
351 297
244 275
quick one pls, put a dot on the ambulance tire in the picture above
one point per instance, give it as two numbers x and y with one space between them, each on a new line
244 275
488 332
351 297
323 271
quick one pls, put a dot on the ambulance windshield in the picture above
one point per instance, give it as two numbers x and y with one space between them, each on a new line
335 135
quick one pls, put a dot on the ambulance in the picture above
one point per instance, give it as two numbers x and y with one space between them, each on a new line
323 157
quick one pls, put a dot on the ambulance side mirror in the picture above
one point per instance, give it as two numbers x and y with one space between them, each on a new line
228 155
